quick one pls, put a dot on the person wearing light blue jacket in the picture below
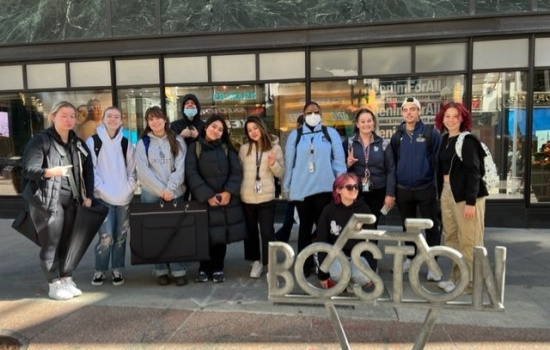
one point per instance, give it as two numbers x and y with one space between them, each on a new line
313 159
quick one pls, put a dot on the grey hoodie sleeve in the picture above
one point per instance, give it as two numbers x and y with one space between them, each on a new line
146 176
175 181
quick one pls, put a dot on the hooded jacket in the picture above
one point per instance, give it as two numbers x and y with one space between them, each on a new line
179 125
115 173
157 169
415 167
215 171
267 173
328 160
40 154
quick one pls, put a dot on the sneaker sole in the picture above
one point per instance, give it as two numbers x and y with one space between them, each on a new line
97 283
118 283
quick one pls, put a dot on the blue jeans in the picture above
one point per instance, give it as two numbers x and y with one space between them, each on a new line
177 269
357 276
112 238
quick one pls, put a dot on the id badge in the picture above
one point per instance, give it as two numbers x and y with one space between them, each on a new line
258 187
311 167
366 186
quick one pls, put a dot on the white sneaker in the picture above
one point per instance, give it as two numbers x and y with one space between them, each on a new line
58 291
447 286
431 276
257 269
407 265
70 286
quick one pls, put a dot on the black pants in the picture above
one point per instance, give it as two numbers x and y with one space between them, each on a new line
54 233
309 211
217 259
262 214
283 234
426 201
375 201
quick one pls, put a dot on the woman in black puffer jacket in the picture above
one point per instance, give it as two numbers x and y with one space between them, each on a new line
214 175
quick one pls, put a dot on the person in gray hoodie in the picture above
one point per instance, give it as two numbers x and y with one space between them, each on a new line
160 165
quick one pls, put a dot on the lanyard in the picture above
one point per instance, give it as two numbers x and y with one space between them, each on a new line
366 154
259 156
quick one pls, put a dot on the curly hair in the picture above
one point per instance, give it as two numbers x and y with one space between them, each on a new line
467 119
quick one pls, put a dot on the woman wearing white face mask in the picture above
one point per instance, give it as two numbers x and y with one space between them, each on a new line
313 159
190 125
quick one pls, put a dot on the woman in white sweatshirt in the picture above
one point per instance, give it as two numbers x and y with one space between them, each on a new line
160 164
115 182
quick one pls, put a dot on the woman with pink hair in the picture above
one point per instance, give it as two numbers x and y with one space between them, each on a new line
333 219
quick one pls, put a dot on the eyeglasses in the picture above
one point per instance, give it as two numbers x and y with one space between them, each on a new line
351 187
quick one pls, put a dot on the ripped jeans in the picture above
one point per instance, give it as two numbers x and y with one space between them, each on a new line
112 238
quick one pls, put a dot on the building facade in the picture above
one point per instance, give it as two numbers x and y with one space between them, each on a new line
268 57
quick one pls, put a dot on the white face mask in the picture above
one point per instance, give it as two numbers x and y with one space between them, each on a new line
313 119
190 113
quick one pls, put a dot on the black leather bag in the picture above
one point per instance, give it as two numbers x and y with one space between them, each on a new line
24 225
168 232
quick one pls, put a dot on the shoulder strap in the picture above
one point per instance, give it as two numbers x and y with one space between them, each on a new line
395 143
300 131
97 144
146 142
428 132
325 132
198 149
459 143
124 145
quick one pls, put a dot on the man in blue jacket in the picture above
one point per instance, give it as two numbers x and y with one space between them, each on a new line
415 147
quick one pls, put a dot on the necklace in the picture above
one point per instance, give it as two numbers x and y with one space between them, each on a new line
450 140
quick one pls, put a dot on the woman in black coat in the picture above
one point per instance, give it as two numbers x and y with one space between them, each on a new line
52 164
214 175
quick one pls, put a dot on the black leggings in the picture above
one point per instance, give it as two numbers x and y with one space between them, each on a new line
54 231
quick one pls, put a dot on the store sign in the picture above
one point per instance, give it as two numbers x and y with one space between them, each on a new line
236 95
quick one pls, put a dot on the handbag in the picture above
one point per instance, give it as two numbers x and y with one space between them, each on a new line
24 225
168 232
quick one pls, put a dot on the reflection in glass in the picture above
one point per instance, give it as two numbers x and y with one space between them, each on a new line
498 107
25 114
540 148
133 103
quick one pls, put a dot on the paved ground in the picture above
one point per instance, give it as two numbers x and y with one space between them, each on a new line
237 314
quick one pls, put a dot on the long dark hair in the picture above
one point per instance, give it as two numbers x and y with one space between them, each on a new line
157 112
265 139
225 135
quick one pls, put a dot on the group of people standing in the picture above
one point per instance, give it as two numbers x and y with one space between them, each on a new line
326 180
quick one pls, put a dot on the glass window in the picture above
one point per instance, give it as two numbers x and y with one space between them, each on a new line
542 52
12 77
97 73
540 148
386 60
334 63
282 65
186 70
233 67
498 108
133 103
46 76
137 72
340 100
441 57
501 54
22 115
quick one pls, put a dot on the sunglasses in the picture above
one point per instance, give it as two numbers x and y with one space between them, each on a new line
351 187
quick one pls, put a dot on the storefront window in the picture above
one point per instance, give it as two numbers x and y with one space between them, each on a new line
24 114
540 150
339 100
498 107
278 104
133 103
